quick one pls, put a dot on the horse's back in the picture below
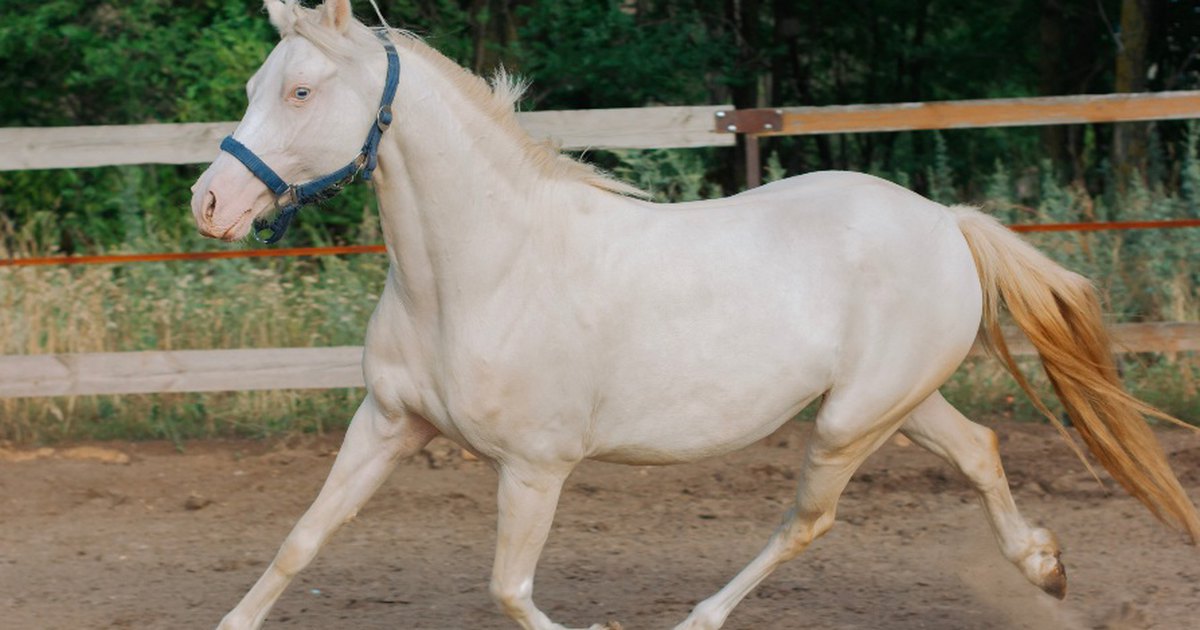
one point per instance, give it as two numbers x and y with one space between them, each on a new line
875 238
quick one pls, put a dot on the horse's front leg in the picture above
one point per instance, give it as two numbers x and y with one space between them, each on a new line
374 443
528 496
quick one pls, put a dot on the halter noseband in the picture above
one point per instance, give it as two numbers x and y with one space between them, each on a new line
289 198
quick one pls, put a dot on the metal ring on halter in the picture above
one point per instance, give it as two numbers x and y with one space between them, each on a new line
291 194
282 220
383 118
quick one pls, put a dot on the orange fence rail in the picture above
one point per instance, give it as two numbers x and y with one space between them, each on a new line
1105 226
175 256
379 249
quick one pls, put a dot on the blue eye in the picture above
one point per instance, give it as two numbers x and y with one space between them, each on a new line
301 93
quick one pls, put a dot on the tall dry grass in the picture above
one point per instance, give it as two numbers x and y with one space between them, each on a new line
176 306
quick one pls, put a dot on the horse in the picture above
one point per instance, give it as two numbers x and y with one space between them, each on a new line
539 313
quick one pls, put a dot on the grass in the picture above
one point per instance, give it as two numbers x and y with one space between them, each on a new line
981 388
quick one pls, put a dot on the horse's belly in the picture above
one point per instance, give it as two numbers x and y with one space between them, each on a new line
684 402
691 434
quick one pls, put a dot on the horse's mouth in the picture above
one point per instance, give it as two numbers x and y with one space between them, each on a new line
236 230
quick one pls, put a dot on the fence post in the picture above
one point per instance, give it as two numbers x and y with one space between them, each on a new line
753 161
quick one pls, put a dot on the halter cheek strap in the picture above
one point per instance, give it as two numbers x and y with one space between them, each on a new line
289 198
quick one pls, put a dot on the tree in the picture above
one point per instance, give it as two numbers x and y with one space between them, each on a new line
1130 139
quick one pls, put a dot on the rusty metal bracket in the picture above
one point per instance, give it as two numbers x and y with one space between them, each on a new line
749 121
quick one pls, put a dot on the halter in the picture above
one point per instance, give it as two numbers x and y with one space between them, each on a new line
289 198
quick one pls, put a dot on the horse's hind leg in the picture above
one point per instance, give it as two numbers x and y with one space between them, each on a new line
972 449
851 425
372 446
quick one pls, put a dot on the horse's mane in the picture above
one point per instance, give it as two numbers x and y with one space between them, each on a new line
496 98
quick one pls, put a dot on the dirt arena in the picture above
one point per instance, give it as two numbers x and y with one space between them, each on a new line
172 540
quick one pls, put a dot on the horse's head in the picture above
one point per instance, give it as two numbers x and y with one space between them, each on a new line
311 104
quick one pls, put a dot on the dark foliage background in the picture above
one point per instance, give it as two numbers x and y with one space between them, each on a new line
82 62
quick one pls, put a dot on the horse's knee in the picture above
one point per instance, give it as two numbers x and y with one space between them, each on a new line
511 597
800 532
297 551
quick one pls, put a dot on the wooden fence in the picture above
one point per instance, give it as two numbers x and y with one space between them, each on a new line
656 127
336 367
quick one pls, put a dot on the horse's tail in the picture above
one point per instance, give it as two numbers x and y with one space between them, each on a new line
1060 313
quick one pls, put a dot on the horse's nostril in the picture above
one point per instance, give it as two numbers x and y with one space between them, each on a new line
210 205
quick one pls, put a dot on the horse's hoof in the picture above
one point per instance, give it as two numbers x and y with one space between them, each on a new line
1054 582
1042 565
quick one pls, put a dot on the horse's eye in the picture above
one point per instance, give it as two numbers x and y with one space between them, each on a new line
301 93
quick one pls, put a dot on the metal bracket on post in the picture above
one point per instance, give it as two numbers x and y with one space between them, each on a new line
751 123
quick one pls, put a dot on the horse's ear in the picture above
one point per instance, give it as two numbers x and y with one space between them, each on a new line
281 15
336 13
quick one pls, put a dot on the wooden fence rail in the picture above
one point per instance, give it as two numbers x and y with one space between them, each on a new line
23 148
1009 112
327 368
753 124
629 128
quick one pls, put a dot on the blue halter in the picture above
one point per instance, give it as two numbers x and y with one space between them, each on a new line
289 198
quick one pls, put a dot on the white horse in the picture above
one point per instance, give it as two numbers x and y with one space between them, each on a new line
538 315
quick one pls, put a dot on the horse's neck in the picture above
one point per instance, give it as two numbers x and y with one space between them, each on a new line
458 195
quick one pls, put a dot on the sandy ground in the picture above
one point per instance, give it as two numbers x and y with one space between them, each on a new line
172 540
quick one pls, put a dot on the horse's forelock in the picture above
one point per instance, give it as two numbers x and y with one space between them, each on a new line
283 14
292 19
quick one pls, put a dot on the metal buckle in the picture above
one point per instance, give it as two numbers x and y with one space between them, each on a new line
383 118
259 226
290 194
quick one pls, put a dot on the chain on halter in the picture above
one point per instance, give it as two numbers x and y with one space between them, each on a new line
289 198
